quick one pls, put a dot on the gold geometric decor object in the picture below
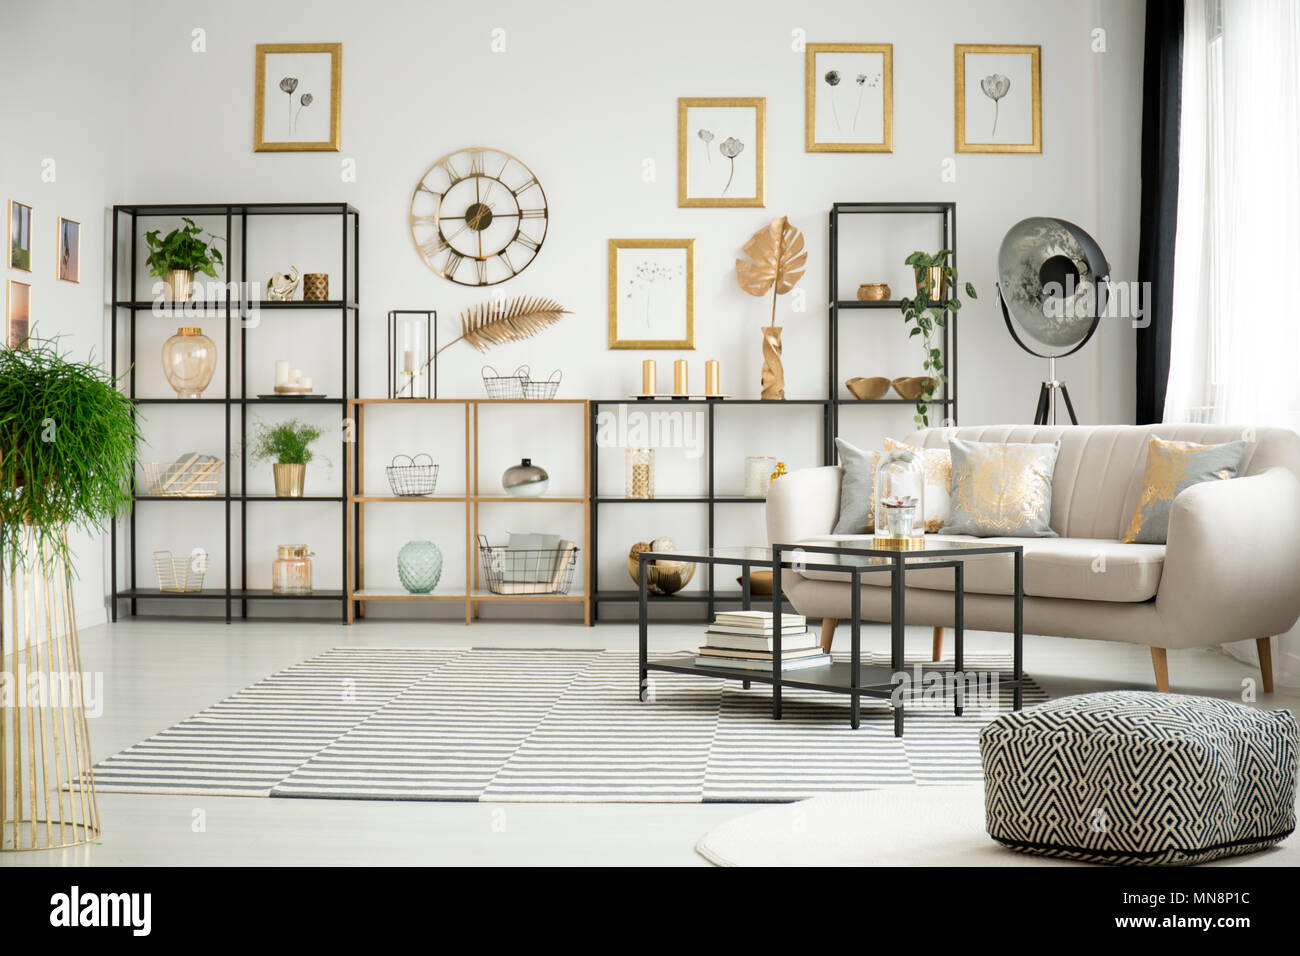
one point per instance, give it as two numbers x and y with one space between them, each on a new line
47 786
777 259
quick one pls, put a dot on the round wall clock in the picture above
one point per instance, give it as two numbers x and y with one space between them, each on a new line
478 216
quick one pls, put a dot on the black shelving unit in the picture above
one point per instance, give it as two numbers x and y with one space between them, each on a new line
127 305
947 211
709 597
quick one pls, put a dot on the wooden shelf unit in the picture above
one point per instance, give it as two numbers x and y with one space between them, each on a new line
472 594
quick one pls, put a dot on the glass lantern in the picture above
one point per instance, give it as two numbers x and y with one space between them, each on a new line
640 473
411 367
900 500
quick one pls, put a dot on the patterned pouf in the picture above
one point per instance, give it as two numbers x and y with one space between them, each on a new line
1140 778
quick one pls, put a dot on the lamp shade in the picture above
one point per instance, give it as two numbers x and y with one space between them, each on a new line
1052 277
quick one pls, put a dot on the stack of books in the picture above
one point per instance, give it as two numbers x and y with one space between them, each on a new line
742 640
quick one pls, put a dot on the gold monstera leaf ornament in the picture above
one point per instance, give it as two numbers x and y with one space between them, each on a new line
776 263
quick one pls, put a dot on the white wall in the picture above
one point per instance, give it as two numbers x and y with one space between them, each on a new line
585 93
65 102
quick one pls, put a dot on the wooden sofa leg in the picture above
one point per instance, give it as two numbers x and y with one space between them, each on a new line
828 633
1265 647
1160 661
936 645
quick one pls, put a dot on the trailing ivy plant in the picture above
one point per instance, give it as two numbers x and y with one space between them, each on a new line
284 443
67 451
927 315
185 249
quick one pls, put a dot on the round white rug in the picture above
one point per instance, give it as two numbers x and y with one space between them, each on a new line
900 826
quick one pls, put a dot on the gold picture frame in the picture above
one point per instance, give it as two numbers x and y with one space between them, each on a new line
704 198
812 74
67 268
678 333
265 143
19 254
18 314
1034 117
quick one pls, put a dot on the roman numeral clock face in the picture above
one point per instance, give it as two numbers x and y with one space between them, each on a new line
478 217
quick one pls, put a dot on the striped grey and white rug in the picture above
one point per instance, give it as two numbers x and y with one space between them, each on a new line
543 726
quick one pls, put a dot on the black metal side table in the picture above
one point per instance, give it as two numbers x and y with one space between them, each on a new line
853 558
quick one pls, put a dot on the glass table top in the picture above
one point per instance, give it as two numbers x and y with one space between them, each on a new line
842 553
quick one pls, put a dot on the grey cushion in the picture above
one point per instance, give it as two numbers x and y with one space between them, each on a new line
1172 467
1136 777
857 489
1002 488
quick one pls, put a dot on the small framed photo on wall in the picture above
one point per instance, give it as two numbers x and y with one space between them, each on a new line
849 98
18 314
20 236
721 153
296 105
652 293
998 98
68 262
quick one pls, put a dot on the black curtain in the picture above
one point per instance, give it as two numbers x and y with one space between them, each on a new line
1161 92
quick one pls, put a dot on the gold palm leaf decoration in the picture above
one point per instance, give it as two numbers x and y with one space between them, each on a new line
776 261
498 322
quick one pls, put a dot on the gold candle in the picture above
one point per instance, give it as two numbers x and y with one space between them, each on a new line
711 386
679 378
648 383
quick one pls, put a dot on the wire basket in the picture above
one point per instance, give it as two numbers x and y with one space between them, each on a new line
505 386
545 389
190 476
528 571
412 480
180 575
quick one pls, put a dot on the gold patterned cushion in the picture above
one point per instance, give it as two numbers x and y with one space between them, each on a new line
937 463
1002 488
1173 466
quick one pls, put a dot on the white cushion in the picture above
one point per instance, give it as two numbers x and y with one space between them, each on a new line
1087 569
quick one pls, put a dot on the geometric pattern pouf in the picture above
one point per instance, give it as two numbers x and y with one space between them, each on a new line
1143 778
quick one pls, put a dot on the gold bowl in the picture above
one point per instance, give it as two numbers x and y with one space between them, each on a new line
868 388
911 387
664 577
873 292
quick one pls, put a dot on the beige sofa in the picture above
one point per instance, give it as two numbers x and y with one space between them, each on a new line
1229 571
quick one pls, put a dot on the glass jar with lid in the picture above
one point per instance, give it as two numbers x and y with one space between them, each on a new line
291 569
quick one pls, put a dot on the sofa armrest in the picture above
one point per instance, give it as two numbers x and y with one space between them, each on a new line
1232 560
803 504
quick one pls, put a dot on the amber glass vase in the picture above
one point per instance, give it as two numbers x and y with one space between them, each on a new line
189 358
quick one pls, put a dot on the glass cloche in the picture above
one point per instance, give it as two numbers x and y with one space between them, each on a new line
900 499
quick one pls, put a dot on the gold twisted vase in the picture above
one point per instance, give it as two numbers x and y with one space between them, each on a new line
773 380
47 786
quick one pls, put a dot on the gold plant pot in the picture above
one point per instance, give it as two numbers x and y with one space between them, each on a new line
179 284
773 378
873 292
933 282
289 480
868 389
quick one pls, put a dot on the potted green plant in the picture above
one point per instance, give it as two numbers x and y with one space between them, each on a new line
67 451
927 313
287 445
178 255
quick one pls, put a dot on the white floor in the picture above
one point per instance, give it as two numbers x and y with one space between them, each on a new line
157 672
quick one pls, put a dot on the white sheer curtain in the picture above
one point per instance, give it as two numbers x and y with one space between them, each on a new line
1235 354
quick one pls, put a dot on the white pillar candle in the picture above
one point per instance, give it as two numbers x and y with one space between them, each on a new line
281 372
295 375
305 382
409 363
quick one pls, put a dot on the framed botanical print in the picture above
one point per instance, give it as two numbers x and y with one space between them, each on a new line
998 98
18 314
296 106
652 293
721 151
20 236
849 98
68 261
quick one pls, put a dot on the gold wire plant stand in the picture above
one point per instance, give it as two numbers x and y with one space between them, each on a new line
47 785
